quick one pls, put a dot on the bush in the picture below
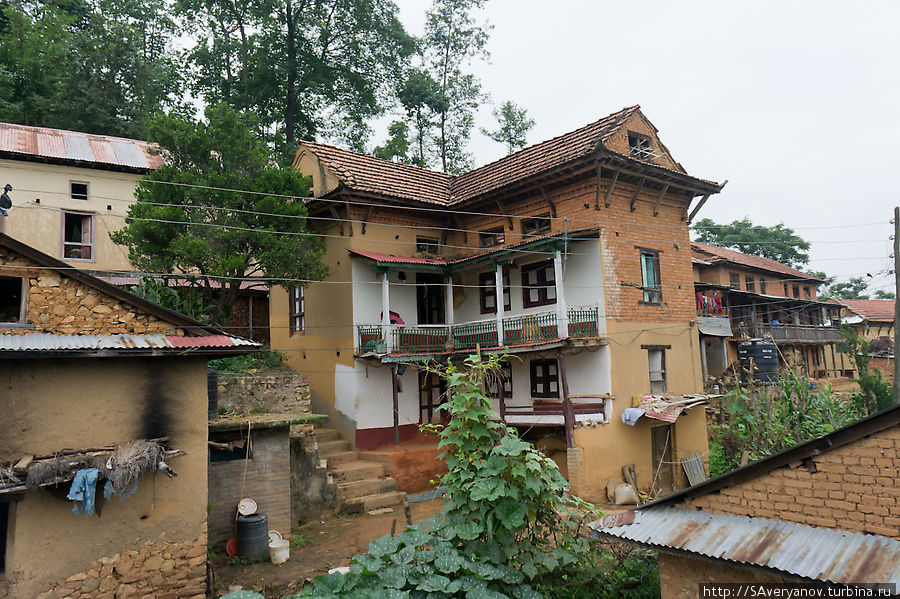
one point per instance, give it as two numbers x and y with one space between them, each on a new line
621 571
506 523
267 359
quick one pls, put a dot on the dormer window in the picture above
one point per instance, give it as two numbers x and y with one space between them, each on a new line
639 146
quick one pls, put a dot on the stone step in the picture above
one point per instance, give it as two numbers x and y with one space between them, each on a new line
373 502
330 448
336 460
326 434
370 486
353 471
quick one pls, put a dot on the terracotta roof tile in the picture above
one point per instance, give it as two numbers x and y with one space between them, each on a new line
714 253
874 310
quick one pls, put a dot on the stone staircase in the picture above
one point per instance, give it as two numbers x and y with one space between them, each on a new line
362 485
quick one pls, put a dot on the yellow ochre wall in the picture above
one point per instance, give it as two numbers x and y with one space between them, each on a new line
40 224
51 404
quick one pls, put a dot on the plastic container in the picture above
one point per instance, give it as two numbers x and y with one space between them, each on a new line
765 360
279 551
253 536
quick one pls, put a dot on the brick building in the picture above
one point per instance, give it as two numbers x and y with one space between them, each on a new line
89 369
571 255
827 510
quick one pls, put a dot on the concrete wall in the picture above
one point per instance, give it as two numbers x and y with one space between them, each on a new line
265 478
77 403
39 223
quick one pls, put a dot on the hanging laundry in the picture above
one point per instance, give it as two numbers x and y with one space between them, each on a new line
630 416
83 491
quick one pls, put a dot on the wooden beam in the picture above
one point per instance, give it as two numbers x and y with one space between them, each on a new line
502 212
366 219
637 191
599 178
349 217
568 410
696 208
337 219
548 200
609 190
662 194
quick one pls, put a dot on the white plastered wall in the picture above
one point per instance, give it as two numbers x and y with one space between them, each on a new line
363 393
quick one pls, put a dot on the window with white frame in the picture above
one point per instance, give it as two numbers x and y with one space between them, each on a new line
657 361
650 277
78 190
297 311
78 236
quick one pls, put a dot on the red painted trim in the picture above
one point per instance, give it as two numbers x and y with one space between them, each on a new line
372 438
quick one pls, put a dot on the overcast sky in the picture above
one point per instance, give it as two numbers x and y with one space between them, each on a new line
795 103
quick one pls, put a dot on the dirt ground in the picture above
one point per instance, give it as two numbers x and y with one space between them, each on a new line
333 542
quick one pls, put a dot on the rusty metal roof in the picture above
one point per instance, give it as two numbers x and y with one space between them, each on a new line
824 554
79 149
37 342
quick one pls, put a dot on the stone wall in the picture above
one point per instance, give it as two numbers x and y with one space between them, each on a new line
155 570
313 491
278 391
57 304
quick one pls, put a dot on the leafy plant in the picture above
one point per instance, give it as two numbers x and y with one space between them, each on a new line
506 520
267 359
875 393
617 571
300 540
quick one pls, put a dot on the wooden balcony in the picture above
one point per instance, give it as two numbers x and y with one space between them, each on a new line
790 333
438 339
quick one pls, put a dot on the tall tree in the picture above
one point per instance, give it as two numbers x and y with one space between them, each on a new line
884 295
223 236
852 289
421 98
453 38
396 148
513 126
778 242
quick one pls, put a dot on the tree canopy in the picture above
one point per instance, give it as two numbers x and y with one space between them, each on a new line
187 220
778 242
513 126
852 289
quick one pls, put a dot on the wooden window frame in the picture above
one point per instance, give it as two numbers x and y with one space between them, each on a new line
78 196
92 244
487 283
542 284
423 243
537 225
796 290
492 237
23 305
296 313
638 150
734 280
652 293
544 377
505 373
750 284
665 378
762 286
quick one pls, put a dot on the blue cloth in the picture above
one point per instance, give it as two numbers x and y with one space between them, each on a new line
109 490
630 415
83 491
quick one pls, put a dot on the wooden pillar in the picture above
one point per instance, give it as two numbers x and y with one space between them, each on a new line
498 301
386 311
449 309
501 398
396 405
562 311
568 411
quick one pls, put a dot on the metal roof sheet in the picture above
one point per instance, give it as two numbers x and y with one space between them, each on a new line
824 554
52 342
74 146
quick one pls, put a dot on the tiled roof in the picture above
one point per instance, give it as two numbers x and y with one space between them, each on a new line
714 253
392 259
873 310
374 175
83 149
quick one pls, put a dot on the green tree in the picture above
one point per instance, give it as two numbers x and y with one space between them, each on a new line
884 295
513 125
779 242
852 289
184 220
453 38
396 147
421 98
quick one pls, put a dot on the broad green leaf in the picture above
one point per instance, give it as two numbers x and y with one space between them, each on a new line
384 546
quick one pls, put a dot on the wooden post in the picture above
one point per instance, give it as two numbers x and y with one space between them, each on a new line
498 301
396 406
568 411
386 311
500 397
896 400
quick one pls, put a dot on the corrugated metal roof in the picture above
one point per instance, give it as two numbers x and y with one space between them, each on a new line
78 147
52 342
811 552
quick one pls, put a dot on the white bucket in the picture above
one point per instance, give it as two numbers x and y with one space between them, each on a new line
279 551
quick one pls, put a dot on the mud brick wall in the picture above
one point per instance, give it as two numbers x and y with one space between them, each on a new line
281 392
156 570
267 481
681 577
852 488
58 304
313 491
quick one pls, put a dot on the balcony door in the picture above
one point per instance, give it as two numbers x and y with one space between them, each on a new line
430 292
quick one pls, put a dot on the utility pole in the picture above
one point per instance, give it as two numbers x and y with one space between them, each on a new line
896 398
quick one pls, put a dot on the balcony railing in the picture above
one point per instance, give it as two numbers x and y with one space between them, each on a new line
792 333
517 330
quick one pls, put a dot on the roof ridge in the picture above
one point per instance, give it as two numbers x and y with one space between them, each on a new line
383 160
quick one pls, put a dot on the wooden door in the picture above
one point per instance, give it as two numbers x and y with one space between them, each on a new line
662 439
430 292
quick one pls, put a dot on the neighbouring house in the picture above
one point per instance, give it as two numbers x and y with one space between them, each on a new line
72 189
572 256
826 510
741 297
873 320
94 377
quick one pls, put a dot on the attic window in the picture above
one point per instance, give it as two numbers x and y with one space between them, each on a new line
640 146
12 306
536 225
78 190
491 237
428 245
